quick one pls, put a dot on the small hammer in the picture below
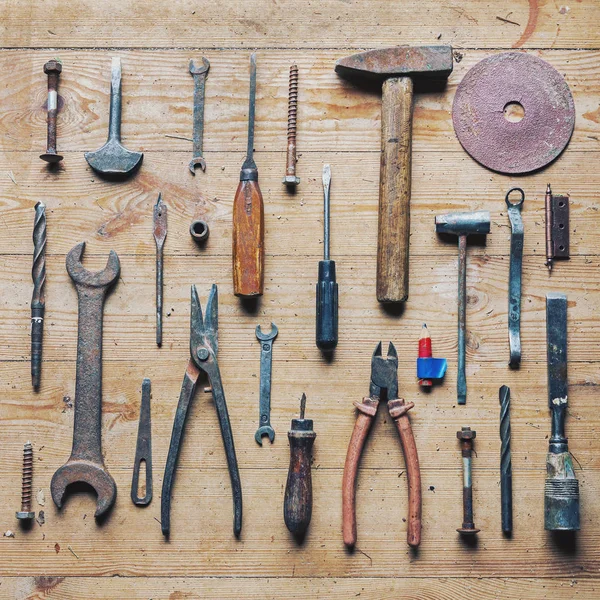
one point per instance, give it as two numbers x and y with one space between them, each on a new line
396 68
462 225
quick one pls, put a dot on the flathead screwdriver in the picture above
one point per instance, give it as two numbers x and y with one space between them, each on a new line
327 288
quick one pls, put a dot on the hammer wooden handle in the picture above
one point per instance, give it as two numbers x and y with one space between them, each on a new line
394 190
248 240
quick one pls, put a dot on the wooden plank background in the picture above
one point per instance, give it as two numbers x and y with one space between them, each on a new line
70 556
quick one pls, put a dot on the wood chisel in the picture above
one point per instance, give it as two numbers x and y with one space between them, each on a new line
297 506
248 215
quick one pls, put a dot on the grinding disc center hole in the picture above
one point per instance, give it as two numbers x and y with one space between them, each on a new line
514 112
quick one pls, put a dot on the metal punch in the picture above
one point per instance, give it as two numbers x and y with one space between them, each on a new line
514 278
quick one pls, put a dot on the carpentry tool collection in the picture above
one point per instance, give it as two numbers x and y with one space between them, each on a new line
486 133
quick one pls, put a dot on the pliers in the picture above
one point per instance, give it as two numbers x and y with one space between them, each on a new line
384 376
203 358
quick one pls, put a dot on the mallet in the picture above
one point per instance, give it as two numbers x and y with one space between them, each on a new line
462 225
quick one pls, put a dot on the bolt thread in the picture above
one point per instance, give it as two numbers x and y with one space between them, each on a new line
27 477
292 103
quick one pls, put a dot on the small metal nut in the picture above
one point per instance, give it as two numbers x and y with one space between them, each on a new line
291 180
52 66
199 230
25 516
466 434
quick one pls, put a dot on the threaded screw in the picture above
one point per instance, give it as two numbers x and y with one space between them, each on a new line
290 178
26 514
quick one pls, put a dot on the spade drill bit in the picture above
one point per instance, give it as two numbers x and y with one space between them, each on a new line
160 234
505 461
38 300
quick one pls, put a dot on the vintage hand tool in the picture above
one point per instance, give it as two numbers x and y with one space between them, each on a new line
86 463
462 225
160 235
203 358
113 158
199 230
396 68
384 376
143 450
26 514
327 288
561 493
297 503
249 215
466 437
514 278
428 368
53 69
200 73
38 300
266 363
557 227
505 461
290 179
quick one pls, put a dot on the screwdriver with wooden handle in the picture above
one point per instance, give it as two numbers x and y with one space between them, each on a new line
327 287
297 505
249 215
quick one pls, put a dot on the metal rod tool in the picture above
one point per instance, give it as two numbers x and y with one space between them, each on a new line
505 461
327 287
199 73
514 278
561 494
266 364
160 234
143 451
38 299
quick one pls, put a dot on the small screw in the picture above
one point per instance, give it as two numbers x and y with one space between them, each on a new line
52 68
26 514
466 437
290 178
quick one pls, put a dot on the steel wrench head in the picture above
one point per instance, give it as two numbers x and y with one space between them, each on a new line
198 69
266 337
84 471
264 430
97 279
198 161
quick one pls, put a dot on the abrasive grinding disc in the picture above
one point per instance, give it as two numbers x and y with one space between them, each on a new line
502 80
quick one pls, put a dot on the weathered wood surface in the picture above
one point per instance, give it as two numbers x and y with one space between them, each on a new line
339 122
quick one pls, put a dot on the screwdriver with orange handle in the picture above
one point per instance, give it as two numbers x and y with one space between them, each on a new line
249 215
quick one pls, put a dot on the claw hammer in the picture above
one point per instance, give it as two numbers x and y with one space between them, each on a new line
396 68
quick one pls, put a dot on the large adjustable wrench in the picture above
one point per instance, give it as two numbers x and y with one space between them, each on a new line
266 360
86 463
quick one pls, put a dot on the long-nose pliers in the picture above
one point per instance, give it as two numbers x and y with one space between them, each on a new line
203 358
384 377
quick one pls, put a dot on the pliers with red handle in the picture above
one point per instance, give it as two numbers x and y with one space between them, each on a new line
384 376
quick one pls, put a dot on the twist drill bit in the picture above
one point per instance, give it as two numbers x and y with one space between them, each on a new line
160 234
505 461
38 300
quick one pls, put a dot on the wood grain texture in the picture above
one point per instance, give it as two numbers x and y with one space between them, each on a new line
126 557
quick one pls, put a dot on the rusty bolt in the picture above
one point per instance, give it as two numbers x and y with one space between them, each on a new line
26 514
466 437
52 68
290 178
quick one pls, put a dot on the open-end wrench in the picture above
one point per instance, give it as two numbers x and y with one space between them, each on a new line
199 72
266 360
86 463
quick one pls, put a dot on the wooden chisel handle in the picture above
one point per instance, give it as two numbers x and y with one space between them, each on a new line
248 239
394 190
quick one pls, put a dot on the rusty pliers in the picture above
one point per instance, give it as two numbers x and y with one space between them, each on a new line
384 376
203 358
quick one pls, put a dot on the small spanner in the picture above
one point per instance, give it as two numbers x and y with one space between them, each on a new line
266 360
514 277
199 72
86 463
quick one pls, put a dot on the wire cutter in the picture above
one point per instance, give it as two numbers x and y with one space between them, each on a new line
203 358
384 376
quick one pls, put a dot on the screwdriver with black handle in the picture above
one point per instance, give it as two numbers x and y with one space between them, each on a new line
249 215
297 504
327 287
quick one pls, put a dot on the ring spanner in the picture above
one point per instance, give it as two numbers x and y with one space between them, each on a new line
514 278
266 360
199 73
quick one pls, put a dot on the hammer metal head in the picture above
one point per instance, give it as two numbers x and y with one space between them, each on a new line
464 223
113 159
427 62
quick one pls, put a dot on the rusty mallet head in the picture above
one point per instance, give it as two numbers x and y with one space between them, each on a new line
395 69
462 225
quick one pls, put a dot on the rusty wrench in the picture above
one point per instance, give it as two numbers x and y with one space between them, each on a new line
86 463
266 363
199 72
514 278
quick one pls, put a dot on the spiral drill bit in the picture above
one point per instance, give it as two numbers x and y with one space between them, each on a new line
290 178
505 461
38 300
26 514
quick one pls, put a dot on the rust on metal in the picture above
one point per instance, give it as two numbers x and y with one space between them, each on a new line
505 146
52 68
